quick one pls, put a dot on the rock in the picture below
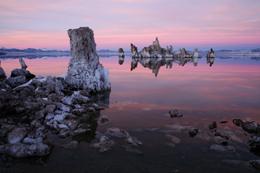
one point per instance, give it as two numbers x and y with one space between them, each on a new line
222 134
255 164
237 122
22 63
249 127
223 122
193 132
175 113
79 131
103 120
49 109
254 144
59 117
75 98
133 141
213 125
221 148
63 126
121 52
29 140
2 73
71 145
16 81
221 141
134 51
85 71
196 53
104 144
16 135
116 132
174 139
22 72
24 150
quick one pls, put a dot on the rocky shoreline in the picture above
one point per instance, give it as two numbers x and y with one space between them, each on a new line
35 108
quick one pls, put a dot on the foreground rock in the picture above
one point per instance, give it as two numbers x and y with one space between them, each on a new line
255 164
105 142
85 71
25 150
43 106
2 73
252 128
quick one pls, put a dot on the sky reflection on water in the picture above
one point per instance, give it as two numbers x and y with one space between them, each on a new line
226 89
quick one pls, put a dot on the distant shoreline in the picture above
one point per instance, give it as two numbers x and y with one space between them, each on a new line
39 53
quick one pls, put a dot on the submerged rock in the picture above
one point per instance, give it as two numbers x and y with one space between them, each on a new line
193 132
104 144
221 148
213 125
85 71
248 126
116 132
174 139
175 113
255 164
20 150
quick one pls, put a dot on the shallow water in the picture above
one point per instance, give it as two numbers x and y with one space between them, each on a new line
139 103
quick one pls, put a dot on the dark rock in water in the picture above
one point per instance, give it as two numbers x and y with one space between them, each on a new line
222 148
254 144
22 63
134 51
213 125
104 144
175 113
221 141
116 132
221 135
20 150
249 127
2 74
255 164
22 72
237 122
85 71
223 122
16 81
193 132
121 52
121 56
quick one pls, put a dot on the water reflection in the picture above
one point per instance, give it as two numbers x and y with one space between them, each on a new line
121 60
155 64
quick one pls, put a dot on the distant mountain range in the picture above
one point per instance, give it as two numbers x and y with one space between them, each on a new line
37 53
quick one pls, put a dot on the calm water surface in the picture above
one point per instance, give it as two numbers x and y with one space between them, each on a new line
139 103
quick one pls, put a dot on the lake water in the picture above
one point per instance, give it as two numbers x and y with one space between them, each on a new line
139 102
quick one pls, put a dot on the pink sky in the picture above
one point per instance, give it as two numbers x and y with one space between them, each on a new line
190 23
